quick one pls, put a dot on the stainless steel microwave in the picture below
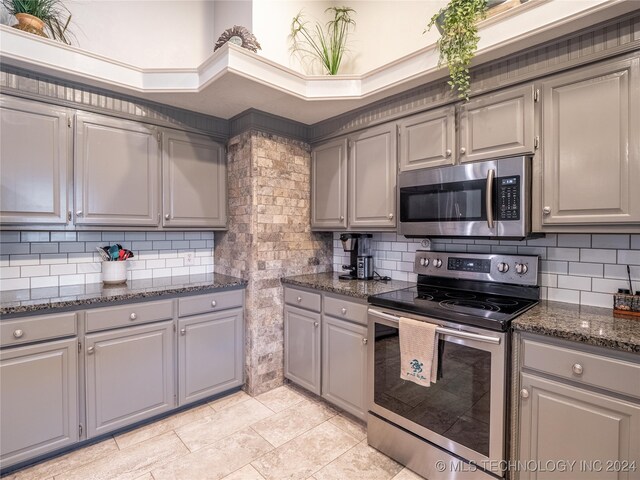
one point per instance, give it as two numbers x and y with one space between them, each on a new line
483 199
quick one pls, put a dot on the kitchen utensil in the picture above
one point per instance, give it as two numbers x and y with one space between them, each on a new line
104 255
114 252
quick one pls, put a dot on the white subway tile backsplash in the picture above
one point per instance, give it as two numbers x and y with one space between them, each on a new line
35 271
89 267
131 236
549 240
83 257
89 237
64 269
574 283
152 264
164 245
52 259
610 241
27 237
631 257
9 272
596 299
570 240
155 236
14 248
635 242
608 285
548 280
20 260
568 254
597 255
42 282
396 256
197 244
113 237
562 295
14 283
51 247
586 269
64 237
68 247
174 235
620 271
9 237
553 266
71 280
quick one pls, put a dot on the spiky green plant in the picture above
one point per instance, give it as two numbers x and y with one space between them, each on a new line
459 39
326 46
51 12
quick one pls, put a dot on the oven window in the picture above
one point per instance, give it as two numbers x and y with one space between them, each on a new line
451 202
457 406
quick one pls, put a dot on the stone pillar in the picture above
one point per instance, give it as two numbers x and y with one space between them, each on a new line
269 237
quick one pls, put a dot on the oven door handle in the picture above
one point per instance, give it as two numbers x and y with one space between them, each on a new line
488 196
442 330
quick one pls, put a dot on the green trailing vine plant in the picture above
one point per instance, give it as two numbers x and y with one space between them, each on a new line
326 45
459 39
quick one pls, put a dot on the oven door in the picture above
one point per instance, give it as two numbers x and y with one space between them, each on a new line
464 411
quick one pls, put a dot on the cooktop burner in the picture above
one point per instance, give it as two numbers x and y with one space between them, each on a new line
456 304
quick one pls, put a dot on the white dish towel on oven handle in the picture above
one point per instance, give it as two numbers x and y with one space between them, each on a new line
418 351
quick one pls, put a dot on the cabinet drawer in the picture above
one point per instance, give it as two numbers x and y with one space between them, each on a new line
211 302
132 314
609 373
340 308
33 329
302 299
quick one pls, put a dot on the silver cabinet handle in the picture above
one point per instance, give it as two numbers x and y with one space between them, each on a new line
448 152
299 299
183 331
463 150
524 393
391 216
167 216
315 324
488 196
365 341
577 369
78 213
344 311
213 303
91 350
18 333
133 316
546 210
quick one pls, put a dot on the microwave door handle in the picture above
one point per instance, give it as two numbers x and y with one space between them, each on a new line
489 196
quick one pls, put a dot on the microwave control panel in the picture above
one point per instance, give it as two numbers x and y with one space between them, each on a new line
509 198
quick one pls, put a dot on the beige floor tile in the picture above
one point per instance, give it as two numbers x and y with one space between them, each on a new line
406 474
280 398
66 462
352 426
245 473
210 429
162 426
288 424
131 463
306 454
229 400
360 463
217 460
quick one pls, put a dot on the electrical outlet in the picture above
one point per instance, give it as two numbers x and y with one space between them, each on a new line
188 258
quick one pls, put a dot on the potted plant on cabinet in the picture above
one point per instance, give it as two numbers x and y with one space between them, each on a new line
36 16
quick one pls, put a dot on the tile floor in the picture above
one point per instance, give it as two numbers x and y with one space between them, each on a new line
282 434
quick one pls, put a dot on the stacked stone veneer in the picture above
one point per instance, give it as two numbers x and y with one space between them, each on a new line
269 237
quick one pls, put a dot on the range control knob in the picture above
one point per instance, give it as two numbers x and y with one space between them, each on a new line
424 262
437 263
521 268
503 267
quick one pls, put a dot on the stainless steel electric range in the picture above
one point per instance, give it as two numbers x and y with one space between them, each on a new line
457 427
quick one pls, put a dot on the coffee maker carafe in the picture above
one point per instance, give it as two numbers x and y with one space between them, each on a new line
358 245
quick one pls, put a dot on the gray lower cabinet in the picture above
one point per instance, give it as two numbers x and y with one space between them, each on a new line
38 398
129 375
210 354
302 347
34 173
591 149
329 185
344 364
116 172
194 179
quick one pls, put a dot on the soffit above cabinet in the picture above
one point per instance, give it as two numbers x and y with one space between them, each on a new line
233 79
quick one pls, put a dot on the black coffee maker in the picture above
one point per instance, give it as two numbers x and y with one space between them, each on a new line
358 245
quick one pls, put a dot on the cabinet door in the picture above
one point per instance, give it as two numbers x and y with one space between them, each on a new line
116 172
329 185
210 351
344 365
372 179
302 348
39 398
129 375
428 139
34 161
591 146
563 423
498 125
194 181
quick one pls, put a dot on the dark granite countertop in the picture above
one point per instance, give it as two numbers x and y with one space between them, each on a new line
329 282
580 323
45 300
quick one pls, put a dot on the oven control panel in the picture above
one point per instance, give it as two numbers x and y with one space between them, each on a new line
509 198
513 269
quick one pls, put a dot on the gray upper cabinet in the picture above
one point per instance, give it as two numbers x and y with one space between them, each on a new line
129 375
116 172
372 179
427 139
591 147
302 348
329 185
39 398
194 181
497 125
210 354
34 161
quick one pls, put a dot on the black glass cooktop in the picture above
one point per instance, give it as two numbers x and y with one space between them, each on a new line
487 306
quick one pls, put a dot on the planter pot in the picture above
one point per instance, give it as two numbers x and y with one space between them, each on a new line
490 4
114 273
31 24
